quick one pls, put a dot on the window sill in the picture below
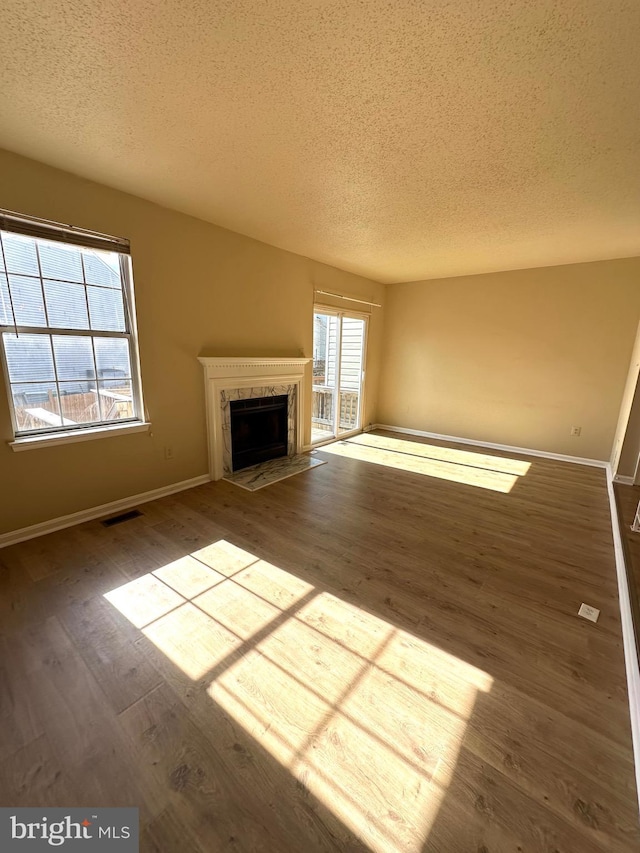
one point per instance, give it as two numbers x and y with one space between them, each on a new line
32 442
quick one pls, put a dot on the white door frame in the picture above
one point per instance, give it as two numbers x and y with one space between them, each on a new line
356 315
628 399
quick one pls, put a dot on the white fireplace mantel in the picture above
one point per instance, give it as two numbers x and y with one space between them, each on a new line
223 374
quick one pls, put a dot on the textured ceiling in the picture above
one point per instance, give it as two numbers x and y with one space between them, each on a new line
402 140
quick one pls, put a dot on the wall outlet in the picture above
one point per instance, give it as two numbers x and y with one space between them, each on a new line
576 430
168 452
589 612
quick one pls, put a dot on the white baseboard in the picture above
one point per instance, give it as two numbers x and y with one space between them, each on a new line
15 536
527 451
624 481
630 647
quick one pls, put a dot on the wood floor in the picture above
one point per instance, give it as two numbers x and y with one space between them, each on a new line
380 654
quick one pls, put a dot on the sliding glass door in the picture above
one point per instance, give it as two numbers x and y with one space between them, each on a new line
338 373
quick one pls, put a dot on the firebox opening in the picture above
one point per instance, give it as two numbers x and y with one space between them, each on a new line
258 430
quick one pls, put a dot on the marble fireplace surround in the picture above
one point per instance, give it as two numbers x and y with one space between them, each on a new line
227 379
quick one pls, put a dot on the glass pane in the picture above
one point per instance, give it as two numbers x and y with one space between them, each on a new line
20 254
66 305
320 327
106 309
112 357
74 359
325 341
349 410
6 315
28 303
29 357
322 419
350 373
36 406
79 405
351 354
102 268
58 260
116 399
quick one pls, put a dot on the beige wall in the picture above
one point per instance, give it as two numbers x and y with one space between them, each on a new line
513 358
199 290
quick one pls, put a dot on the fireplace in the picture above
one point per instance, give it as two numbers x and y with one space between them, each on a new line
247 380
258 430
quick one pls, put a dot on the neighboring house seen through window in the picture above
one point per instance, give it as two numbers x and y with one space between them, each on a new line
67 324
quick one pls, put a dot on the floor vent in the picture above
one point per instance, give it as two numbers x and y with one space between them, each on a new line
118 519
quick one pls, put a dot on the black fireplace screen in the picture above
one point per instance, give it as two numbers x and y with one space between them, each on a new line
258 430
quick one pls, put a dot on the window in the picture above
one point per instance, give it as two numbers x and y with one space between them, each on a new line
67 324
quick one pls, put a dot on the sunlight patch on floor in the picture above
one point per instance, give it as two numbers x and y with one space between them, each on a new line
458 466
367 717
144 599
473 458
188 576
224 557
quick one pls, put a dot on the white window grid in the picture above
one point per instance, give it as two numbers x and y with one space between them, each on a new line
128 334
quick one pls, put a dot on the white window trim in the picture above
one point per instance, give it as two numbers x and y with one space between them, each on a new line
79 237
33 442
